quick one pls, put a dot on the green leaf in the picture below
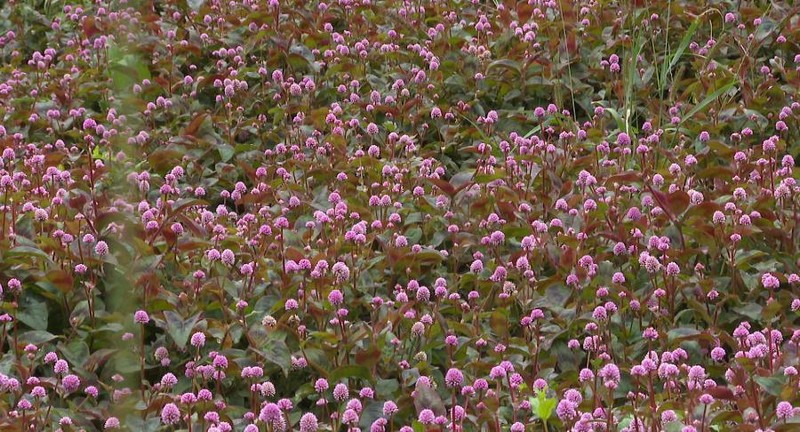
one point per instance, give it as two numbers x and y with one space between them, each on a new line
750 310
543 406
33 312
372 411
178 328
414 235
617 119
386 387
226 152
710 98
744 258
631 73
126 68
36 337
533 131
507 64
682 333
274 349
76 352
195 4
350 371
137 423
666 67
27 251
125 361
772 385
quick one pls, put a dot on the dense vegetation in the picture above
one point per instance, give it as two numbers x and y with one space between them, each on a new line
394 215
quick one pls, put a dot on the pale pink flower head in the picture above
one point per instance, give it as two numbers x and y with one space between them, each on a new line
141 317
769 281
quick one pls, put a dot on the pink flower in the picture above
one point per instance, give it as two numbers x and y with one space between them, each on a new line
308 423
71 383
60 367
389 408
454 378
101 248
141 317
198 339
111 423
321 385
784 410
170 414
718 354
426 417
340 392
769 281
269 413
335 297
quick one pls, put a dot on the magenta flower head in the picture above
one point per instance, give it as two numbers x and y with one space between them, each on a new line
784 410
14 285
89 123
204 395
141 317
228 257
91 391
350 417
426 417
101 248
220 362
188 398
718 354
389 408
769 281
321 385
497 372
454 378
111 423
170 414
340 392
61 367
285 404
379 425
308 423
198 339
366 393
610 375
335 297
71 383
269 413
168 380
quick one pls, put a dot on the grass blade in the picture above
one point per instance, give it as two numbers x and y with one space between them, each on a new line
708 99
666 67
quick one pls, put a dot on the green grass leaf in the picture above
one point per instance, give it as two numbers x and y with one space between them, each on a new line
708 100
666 67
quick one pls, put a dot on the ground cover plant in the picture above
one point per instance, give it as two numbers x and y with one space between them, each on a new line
399 215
